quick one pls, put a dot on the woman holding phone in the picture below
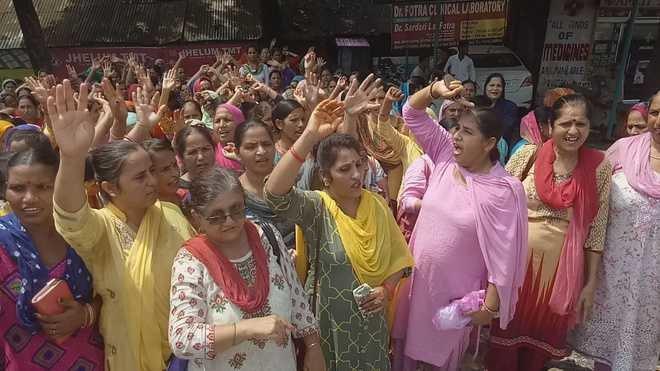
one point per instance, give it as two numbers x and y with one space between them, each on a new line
353 241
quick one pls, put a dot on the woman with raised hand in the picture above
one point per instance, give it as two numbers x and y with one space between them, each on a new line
568 189
353 240
469 236
31 254
623 331
235 298
129 245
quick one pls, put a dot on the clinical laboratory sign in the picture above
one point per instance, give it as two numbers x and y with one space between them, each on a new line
414 25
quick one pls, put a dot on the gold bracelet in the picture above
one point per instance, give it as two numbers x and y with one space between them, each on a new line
233 341
431 90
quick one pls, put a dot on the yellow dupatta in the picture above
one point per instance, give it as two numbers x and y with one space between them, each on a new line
146 324
367 237
364 238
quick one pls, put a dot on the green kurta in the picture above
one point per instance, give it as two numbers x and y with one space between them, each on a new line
349 341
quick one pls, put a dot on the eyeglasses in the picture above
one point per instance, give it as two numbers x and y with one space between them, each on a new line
221 218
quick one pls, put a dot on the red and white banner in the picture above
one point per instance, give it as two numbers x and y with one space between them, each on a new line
196 55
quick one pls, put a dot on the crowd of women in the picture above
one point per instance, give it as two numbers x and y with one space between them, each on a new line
269 215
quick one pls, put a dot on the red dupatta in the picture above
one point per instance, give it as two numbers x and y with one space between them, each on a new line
581 194
225 274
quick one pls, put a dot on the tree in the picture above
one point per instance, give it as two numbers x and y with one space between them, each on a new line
33 35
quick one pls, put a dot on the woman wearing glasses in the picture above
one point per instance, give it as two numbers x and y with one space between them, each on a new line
235 298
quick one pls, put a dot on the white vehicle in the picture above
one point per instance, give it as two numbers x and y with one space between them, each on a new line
495 58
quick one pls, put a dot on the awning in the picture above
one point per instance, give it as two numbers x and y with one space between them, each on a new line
358 42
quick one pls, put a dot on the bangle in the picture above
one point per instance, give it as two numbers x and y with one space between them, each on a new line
233 341
312 345
431 90
92 315
485 307
295 155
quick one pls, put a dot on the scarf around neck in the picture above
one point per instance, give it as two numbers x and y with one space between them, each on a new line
529 129
373 242
34 274
500 208
631 155
227 277
581 194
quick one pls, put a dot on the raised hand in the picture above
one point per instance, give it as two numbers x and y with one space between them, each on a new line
169 80
73 125
340 87
326 118
358 99
96 65
441 89
107 69
39 91
320 63
117 104
144 109
71 71
394 95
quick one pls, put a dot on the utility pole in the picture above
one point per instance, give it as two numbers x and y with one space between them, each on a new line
33 35
621 69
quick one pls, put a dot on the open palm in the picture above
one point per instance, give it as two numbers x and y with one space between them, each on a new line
358 98
73 125
325 118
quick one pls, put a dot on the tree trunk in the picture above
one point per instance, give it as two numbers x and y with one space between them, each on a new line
33 36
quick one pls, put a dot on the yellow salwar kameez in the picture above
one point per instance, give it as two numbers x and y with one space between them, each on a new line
131 272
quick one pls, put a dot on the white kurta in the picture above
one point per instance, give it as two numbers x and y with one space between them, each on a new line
198 304
624 327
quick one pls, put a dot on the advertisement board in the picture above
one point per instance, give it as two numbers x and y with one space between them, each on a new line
196 55
414 25
568 43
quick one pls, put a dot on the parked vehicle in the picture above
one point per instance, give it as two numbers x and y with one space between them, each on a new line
495 58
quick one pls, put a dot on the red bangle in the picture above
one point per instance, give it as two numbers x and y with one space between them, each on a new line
296 155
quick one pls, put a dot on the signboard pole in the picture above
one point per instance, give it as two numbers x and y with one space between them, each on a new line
621 70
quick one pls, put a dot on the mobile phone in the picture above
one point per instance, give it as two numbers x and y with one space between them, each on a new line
362 292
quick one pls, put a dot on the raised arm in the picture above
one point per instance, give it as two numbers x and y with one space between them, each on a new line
359 99
323 122
146 117
118 108
433 139
73 128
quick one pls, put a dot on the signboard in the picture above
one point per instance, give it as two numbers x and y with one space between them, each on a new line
414 25
622 8
196 55
567 46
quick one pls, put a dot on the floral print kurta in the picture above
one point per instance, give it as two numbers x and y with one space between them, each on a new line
623 329
198 304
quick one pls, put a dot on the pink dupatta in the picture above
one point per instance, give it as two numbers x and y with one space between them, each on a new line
631 155
529 129
500 206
